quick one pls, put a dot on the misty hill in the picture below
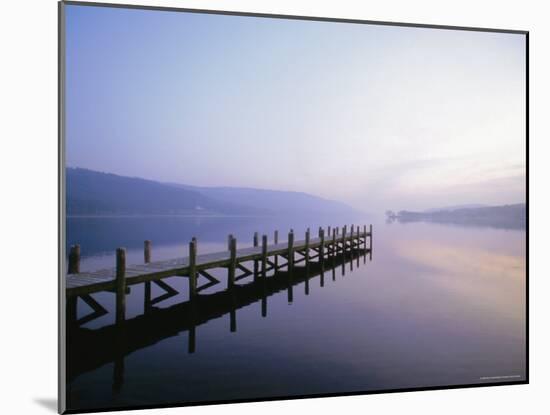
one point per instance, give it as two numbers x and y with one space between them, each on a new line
94 193
506 216
273 200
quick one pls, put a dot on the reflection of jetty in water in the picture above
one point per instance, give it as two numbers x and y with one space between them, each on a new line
88 349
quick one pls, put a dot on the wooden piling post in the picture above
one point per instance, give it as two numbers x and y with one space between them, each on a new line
146 284
343 266
118 367
255 243
351 250
233 320
358 251
276 241
354 246
290 251
328 231
344 240
72 308
264 306
322 248
147 251
232 262
337 237
334 249
193 268
74 260
264 256
365 244
290 293
192 340
290 266
120 279
229 238
322 275
307 247
146 296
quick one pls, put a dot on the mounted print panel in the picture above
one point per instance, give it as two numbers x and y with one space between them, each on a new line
260 207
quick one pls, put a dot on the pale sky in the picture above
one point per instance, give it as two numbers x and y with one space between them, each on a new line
380 117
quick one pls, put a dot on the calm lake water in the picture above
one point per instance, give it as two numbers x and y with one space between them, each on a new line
436 305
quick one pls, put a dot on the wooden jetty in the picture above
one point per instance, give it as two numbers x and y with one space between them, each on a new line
91 348
265 257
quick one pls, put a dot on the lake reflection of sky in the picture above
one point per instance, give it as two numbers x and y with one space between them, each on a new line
437 305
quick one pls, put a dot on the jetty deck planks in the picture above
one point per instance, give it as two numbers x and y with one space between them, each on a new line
83 283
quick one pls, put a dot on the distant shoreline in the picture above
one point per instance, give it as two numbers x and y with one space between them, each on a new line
505 216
